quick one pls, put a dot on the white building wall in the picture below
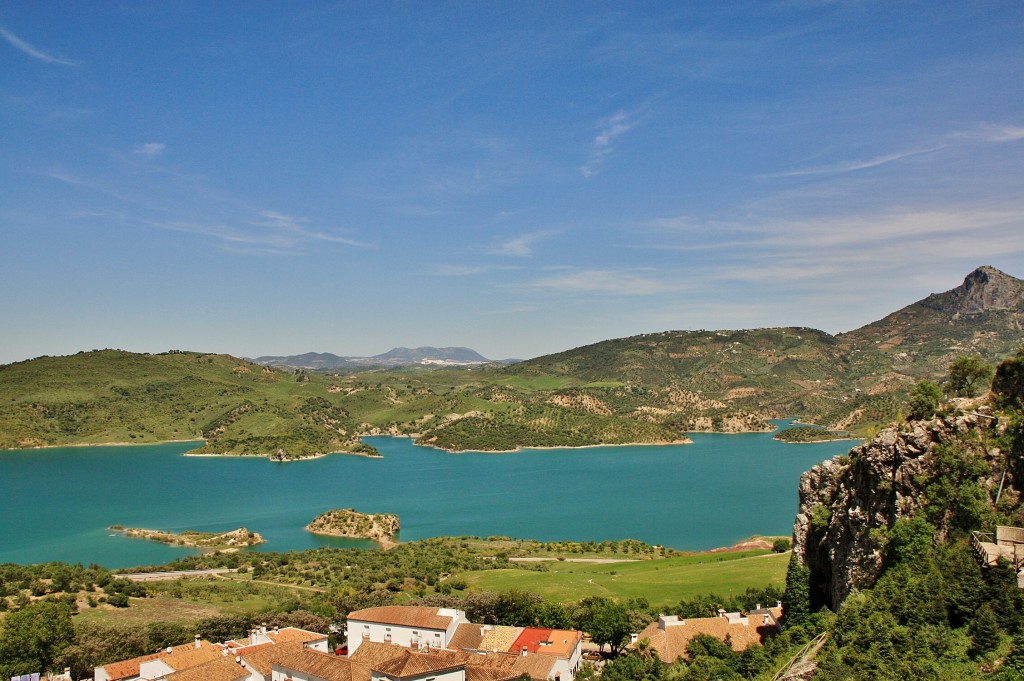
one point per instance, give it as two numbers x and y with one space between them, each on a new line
319 645
357 632
154 669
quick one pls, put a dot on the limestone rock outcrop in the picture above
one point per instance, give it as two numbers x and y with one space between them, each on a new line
846 503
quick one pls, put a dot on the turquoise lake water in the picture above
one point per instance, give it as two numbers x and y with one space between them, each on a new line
57 503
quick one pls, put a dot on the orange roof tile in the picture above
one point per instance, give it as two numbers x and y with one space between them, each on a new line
410 664
499 638
468 636
219 669
295 634
670 642
372 653
126 669
262 657
530 638
403 615
325 665
188 656
478 673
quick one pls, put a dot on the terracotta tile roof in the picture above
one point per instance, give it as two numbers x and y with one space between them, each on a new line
561 642
411 664
502 660
295 634
421 617
536 666
670 642
262 657
219 669
499 638
187 656
530 638
125 669
467 637
324 665
478 673
372 653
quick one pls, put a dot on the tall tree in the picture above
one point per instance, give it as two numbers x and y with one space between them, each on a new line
967 375
33 637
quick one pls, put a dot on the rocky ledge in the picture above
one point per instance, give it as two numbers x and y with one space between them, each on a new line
847 503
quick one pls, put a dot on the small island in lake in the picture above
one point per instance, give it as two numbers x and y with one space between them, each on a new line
206 541
347 522
804 434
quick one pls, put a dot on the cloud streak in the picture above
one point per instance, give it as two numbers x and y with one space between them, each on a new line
24 47
608 282
150 149
603 145
518 247
272 233
994 133
853 166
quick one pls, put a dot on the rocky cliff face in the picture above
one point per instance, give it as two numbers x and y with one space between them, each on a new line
847 503
984 289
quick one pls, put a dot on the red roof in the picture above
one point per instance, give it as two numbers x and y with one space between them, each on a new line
530 639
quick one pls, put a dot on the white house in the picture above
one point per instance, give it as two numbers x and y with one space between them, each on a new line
403 625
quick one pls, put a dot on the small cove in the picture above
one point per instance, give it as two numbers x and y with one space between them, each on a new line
714 492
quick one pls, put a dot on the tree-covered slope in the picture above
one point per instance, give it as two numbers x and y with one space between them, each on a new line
649 388
116 396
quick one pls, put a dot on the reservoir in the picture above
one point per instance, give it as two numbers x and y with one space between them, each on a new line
58 503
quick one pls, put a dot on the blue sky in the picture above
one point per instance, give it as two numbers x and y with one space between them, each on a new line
520 178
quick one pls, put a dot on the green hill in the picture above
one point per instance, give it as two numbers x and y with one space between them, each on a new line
115 396
644 389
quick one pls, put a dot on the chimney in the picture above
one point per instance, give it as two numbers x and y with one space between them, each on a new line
758 607
252 636
721 612
198 640
277 629
263 627
525 651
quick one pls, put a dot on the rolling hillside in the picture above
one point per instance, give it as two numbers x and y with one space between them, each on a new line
643 389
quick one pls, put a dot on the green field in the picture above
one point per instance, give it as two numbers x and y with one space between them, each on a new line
662 582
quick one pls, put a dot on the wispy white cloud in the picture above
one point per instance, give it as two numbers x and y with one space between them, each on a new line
272 233
150 149
518 247
608 282
991 132
603 145
291 226
457 270
24 47
852 166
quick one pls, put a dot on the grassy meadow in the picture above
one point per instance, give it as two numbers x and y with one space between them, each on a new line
663 581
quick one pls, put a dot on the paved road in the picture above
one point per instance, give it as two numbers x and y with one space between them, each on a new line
176 574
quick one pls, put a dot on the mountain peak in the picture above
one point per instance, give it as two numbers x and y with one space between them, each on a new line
984 289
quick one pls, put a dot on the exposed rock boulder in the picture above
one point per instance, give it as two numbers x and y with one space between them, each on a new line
847 503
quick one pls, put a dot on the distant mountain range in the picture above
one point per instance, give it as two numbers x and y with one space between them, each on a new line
396 357
653 387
